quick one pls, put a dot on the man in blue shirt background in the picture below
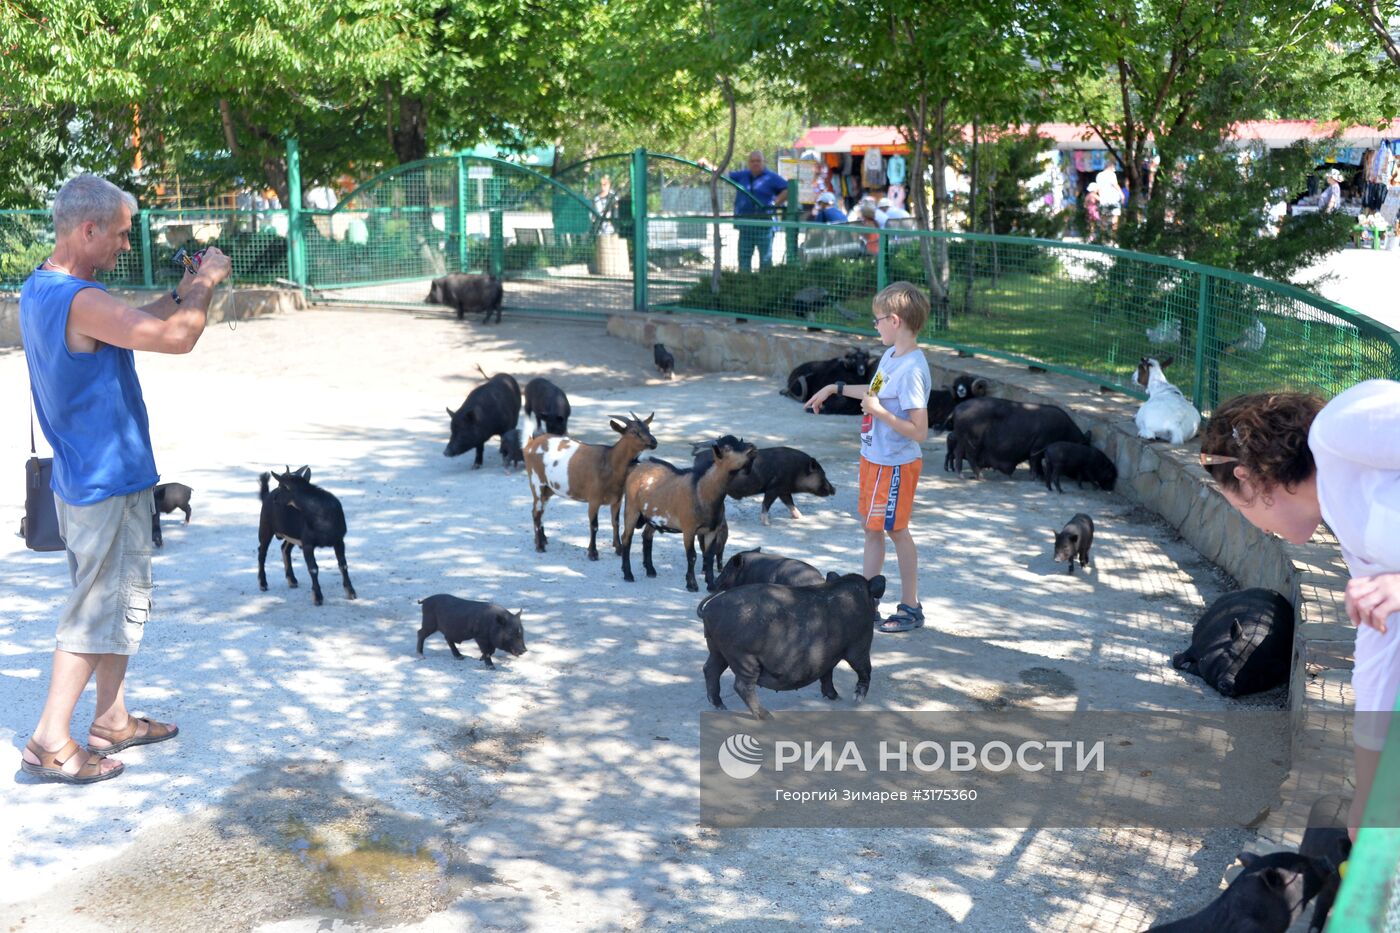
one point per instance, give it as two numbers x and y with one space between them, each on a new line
764 192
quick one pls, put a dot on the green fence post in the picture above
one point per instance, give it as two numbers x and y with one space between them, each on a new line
882 263
1203 325
639 229
147 268
498 242
296 242
1373 868
793 211
462 182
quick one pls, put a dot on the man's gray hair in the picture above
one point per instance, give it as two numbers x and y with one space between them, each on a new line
87 197
759 154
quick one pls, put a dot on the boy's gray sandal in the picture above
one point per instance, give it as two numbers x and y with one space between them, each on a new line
905 618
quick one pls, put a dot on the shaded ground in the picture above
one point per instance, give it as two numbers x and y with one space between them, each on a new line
326 779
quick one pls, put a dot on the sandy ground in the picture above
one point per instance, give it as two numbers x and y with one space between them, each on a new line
327 779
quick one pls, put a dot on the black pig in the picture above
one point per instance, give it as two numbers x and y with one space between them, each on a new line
756 567
1074 461
665 361
943 402
512 455
777 472
999 433
168 498
1267 897
548 405
1074 541
786 637
468 293
459 619
491 408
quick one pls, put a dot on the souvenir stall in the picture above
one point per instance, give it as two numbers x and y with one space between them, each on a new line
851 162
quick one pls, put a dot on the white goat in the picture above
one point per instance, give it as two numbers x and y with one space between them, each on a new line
1166 415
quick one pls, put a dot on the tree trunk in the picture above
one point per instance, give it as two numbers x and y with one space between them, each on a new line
938 290
275 171
969 289
226 115
410 135
727 88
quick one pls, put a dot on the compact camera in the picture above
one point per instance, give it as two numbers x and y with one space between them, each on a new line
189 261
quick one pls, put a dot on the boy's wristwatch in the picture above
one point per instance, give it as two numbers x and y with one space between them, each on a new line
840 387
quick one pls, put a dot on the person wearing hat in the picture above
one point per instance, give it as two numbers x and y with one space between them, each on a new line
891 212
825 210
1332 197
864 210
1091 211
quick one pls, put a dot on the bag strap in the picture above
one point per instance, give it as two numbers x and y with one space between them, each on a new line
32 451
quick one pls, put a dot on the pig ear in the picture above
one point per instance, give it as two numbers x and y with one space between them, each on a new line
304 472
832 576
1275 879
617 426
1165 361
1247 858
877 586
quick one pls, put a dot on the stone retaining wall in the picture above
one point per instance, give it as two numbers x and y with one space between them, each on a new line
1166 480
237 305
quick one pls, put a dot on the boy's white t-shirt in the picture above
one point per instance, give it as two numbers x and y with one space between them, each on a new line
901 383
1355 442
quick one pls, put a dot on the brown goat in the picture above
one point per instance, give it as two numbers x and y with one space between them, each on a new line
663 497
592 473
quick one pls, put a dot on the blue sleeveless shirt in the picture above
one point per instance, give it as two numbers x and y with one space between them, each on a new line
89 404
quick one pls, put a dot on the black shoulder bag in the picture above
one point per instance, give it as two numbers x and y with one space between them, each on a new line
39 527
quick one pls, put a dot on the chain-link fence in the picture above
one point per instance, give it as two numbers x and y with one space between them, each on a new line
637 231
256 242
1086 310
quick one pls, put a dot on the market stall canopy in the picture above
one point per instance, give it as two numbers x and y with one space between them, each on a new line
1279 134
854 139
1274 134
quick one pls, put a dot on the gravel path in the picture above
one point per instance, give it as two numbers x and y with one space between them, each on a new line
326 779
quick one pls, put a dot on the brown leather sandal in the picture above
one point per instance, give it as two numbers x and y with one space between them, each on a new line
50 766
126 736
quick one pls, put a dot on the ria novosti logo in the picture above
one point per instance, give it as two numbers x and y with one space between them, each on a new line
741 756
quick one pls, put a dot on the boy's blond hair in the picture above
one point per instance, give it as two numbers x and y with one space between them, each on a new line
906 300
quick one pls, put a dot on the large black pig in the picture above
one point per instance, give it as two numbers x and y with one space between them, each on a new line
468 293
855 368
786 637
999 433
756 567
491 409
777 472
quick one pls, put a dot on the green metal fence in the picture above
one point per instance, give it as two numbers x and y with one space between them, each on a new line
1085 310
1089 311
256 241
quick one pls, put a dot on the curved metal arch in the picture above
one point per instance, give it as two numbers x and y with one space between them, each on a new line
451 160
651 155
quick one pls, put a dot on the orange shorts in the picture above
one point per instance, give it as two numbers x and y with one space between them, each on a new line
887 494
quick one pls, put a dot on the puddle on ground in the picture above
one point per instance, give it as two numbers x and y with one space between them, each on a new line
287 841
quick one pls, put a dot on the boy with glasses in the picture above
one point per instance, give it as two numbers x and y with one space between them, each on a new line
895 404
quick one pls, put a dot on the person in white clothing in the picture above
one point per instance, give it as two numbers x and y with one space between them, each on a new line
891 212
1289 462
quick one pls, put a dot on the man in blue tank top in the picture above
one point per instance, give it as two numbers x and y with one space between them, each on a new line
78 343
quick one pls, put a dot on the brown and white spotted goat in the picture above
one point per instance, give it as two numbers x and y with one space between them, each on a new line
592 473
665 498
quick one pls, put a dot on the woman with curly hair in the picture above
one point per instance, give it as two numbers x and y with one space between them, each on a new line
1287 462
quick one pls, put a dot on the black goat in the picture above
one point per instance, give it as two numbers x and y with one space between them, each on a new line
303 515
